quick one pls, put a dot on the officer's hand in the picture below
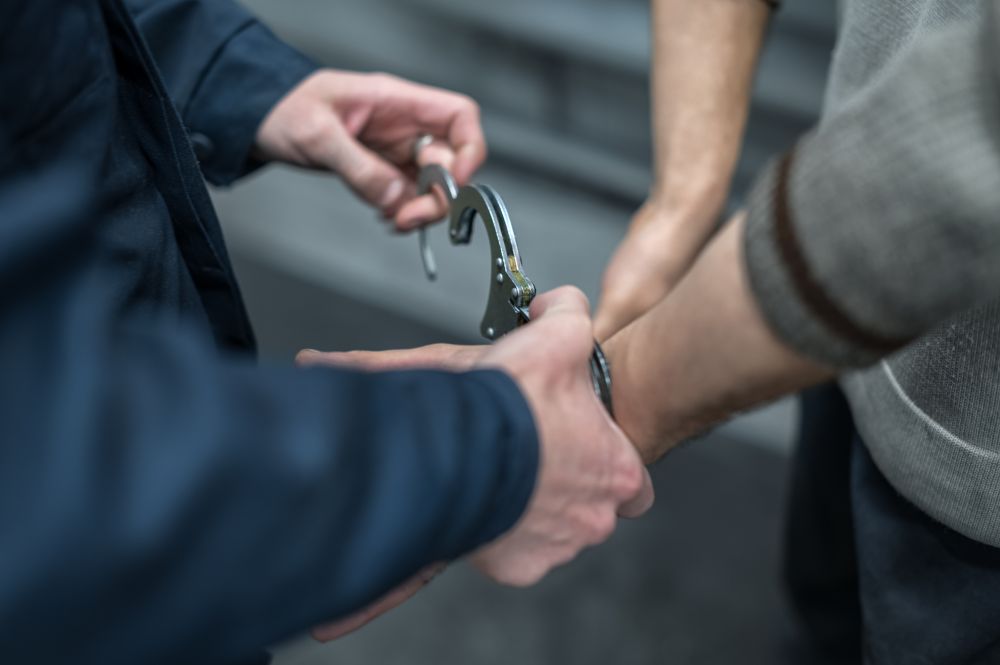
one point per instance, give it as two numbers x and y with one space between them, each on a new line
589 474
364 127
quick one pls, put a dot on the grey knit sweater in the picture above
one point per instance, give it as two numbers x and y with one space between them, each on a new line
882 230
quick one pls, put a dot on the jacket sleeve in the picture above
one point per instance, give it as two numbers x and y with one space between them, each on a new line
224 70
884 221
157 500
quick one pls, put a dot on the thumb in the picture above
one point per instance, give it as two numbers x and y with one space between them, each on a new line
371 361
563 300
372 178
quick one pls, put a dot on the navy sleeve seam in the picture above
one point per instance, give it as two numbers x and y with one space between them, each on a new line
216 56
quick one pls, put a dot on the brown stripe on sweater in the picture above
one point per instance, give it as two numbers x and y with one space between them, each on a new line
806 285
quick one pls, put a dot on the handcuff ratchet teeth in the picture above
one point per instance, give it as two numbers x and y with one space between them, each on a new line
511 291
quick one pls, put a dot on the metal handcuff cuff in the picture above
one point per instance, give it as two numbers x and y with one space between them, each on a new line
511 292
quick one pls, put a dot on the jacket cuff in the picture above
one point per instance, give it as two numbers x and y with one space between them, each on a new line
792 297
250 74
501 475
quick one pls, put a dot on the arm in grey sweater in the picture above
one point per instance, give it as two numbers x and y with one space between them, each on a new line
882 224
886 220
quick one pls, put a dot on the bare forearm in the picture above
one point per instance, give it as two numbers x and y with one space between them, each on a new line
704 56
702 354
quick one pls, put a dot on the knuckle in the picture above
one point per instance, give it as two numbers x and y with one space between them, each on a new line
364 174
382 83
630 479
391 81
580 296
321 77
582 304
571 293
313 133
468 105
603 526
574 301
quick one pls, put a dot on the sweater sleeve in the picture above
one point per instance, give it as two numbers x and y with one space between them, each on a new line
886 220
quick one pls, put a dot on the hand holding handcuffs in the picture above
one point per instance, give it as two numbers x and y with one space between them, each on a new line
511 292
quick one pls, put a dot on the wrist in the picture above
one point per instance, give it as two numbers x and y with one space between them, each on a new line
666 374
674 231
639 416
687 200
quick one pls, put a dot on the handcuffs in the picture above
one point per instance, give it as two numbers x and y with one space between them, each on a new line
511 291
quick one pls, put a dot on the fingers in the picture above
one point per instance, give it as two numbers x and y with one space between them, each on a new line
455 118
563 300
422 210
440 356
362 126
469 156
374 179
466 138
460 146
437 152
427 208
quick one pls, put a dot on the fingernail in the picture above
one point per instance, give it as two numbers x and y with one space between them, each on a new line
392 193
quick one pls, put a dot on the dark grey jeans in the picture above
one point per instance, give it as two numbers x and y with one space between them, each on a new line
872 577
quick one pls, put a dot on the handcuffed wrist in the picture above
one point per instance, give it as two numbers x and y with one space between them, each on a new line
631 415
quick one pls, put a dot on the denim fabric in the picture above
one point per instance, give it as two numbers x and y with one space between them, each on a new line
871 575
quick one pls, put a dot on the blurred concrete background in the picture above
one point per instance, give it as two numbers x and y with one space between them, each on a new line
563 88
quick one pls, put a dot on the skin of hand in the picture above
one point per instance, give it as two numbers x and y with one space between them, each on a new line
337 629
589 472
701 354
704 57
364 127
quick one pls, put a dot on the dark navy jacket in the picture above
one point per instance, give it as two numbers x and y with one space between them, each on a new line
162 500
